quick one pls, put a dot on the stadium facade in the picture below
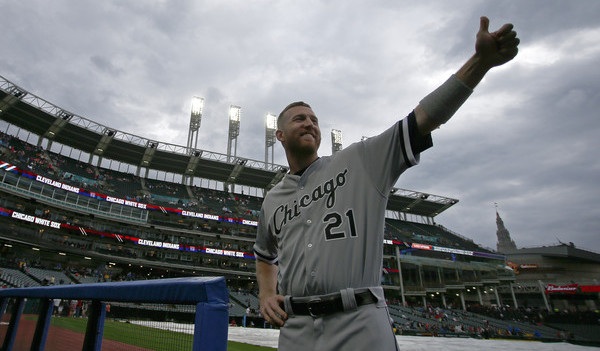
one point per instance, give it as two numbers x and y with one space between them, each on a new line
99 216
560 277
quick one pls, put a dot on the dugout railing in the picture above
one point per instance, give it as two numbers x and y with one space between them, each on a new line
198 305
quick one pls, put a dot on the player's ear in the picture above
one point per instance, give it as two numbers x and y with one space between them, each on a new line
279 135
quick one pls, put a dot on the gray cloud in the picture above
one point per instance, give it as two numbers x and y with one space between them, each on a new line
527 139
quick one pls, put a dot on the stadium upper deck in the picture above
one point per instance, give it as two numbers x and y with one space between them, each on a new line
54 124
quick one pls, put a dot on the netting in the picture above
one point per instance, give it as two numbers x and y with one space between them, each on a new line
127 326
150 326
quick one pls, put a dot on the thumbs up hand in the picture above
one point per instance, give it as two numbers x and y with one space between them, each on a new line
497 48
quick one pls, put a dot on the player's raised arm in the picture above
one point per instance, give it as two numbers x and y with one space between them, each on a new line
491 50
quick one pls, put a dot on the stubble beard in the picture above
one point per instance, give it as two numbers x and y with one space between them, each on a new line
302 150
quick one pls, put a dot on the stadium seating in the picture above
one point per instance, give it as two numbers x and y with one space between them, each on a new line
245 299
49 277
16 278
120 184
170 190
75 167
437 320
235 309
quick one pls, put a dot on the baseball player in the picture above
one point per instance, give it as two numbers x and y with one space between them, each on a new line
319 245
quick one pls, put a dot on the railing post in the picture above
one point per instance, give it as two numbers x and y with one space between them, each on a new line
13 325
43 324
211 327
95 327
3 304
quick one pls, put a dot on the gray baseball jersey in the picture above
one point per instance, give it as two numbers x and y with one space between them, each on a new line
325 227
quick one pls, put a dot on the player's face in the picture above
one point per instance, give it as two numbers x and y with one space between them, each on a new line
300 132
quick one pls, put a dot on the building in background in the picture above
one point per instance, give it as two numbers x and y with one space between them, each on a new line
559 277
505 243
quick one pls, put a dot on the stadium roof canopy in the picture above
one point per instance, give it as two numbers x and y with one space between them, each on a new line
557 251
38 116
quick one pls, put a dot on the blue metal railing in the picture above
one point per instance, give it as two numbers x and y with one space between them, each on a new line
208 294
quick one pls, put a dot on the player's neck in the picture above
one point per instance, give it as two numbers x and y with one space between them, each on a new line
299 163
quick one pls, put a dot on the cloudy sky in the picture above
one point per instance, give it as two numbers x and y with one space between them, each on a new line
528 138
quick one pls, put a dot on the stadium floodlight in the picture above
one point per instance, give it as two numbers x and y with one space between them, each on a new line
270 128
271 121
195 120
197 105
337 136
235 113
336 140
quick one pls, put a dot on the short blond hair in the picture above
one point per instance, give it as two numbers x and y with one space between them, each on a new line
293 104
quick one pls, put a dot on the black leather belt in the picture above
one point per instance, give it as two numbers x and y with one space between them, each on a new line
320 306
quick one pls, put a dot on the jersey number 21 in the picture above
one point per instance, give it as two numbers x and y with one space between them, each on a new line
334 221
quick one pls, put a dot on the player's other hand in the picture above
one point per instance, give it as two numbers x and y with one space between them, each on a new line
270 308
498 47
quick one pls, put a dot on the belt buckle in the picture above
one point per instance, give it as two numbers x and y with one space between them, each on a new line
310 305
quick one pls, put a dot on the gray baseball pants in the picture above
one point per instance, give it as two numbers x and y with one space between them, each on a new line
367 327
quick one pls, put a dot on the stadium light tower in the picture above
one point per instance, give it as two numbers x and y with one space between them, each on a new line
270 139
195 119
336 140
235 113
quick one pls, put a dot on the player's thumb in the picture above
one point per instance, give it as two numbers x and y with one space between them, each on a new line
484 24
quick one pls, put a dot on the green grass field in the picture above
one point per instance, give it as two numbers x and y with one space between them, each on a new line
150 338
